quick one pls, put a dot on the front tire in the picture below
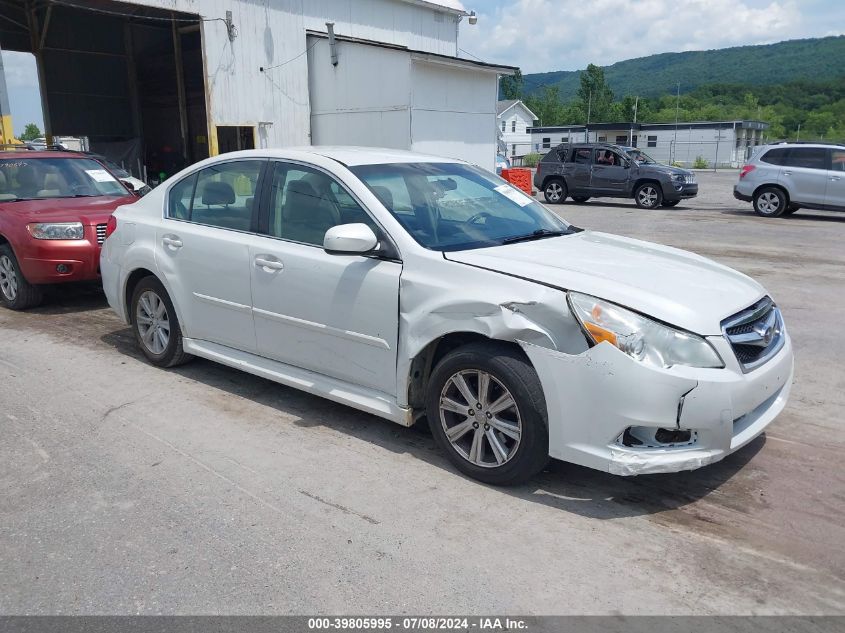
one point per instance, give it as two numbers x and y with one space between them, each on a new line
155 324
770 202
670 203
555 191
648 196
487 412
16 293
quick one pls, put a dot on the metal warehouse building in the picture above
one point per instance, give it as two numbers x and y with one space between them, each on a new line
718 143
163 83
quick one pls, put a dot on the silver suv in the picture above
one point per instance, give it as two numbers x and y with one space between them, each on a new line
783 178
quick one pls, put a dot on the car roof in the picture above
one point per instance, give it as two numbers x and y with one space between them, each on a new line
800 144
351 155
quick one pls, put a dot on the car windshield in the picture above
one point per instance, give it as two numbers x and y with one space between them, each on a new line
641 157
451 206
41 178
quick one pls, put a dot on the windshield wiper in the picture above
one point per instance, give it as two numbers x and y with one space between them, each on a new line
539 234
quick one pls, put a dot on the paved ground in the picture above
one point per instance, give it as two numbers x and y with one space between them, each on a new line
128 489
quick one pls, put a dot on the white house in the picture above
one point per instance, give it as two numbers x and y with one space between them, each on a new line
513 120
161 83
718 143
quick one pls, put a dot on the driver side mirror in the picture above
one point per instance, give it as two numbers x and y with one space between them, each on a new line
349 239
128 184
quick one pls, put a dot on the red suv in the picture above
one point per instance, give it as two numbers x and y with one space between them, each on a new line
54 207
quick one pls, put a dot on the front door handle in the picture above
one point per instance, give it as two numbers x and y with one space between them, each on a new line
835 178
787 173
268 265
172 241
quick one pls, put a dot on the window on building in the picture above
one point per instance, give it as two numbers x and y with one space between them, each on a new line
652 141
221 196
513 125
547 141
513 149
564 139
634 140
602 139
504 123
622 140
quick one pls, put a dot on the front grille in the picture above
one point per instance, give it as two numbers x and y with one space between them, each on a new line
689 179
101 233
755 334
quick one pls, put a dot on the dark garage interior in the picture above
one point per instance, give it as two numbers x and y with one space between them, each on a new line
128 78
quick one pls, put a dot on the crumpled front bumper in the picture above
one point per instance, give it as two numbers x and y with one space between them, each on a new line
593 397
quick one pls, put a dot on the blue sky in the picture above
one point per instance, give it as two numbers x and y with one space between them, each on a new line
545 35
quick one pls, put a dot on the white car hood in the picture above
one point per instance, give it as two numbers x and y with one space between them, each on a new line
674 286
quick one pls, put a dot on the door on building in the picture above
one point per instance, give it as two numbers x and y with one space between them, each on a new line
332 314
231 138
609 173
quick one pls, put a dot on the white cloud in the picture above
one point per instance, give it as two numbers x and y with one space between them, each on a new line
546 35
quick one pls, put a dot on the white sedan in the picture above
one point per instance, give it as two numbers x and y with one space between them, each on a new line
407 285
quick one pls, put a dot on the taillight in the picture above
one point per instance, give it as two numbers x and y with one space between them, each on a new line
746 169
111 225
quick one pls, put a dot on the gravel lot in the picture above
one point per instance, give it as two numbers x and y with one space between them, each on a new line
129 489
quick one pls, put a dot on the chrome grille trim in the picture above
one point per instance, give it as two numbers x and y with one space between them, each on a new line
755 334
101 234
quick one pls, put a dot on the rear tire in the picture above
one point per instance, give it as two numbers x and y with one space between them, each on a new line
770 202
155 324
648 196
16 293
488 399
580 199
555 191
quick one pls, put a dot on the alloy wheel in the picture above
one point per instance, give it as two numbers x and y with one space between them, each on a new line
768 203
647 196
153 322
480 418
554 191
8 278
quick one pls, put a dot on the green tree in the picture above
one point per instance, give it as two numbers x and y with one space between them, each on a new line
511 86
595 95
30 132
548 107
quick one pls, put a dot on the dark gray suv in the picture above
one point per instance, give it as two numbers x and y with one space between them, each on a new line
585 170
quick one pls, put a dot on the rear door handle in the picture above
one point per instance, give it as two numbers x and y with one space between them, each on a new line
172 241
835 178
269 265
787 173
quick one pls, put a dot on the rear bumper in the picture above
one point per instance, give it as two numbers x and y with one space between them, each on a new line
40 260
594 397
741 196
680 192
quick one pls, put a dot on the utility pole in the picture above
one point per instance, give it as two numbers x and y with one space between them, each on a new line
589 109
631 133
677 109
798 133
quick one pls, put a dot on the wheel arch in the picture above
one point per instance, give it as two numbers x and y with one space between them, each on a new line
430 355
771 185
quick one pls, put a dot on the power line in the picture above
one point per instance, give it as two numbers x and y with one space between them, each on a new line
292 59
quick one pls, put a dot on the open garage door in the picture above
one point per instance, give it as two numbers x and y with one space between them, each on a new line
129 78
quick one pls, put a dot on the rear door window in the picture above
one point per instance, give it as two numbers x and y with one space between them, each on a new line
807 157
582 156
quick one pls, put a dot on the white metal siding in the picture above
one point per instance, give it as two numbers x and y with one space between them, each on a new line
272 32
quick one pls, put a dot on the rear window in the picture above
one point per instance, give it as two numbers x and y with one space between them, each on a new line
775 156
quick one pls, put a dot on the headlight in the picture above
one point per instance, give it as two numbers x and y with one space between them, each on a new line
56 230
639 337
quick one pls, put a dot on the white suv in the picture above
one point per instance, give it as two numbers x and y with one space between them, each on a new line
407 286
783 178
